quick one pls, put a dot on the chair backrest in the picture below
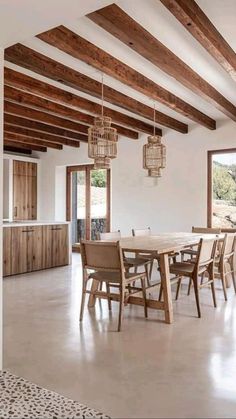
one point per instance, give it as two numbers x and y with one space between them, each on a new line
206 252
206 230
103 256
229 245
144 232
113 236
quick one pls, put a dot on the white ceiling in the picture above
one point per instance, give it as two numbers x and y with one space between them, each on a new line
155 18
20 19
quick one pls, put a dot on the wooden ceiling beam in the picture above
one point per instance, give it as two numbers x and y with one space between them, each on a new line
17 150
78 47
44 128
40 64
199 25
26 112
115 21
21 131
54 105
18 144
38 103
25 139
33 114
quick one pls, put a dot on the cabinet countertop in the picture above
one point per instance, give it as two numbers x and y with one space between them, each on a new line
32 223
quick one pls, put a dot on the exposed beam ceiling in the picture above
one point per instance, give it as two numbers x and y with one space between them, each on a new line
114 20
12 143
17 150
26 99
25 132
39 63
25 139
39 126
78 47
197 23
61 97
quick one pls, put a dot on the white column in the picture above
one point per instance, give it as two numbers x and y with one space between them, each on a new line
1 191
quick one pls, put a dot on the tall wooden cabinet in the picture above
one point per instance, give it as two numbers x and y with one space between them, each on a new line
24 190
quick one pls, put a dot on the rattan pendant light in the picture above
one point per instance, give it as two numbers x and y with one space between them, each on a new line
154 153
102 140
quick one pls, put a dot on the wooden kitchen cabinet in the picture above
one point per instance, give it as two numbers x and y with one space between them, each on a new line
24 190
55 244
7 251
31 248
19 250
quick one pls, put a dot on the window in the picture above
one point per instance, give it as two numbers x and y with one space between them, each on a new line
222 189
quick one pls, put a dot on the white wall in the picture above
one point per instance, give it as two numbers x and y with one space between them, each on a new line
173 203
1 193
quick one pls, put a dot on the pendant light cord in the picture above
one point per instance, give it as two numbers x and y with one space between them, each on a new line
102 94
154 114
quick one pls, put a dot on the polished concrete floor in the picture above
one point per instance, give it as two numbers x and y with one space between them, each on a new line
149 370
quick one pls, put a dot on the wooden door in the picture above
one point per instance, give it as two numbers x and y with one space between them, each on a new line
34 248
7 251
19 247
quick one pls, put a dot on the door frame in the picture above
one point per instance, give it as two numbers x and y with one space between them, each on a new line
87 168
210 155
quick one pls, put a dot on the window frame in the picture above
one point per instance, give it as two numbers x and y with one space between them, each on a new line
210 155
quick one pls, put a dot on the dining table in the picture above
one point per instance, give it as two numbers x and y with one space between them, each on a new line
161 246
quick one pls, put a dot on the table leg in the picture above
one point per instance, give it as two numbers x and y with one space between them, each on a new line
165 280
92 298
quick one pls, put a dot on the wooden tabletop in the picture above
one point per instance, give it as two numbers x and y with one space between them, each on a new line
164 242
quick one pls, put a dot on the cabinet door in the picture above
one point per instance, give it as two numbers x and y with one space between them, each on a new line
20 211
24 190
59 245
34 248
31 197
19 245
55 245
7 251
47 247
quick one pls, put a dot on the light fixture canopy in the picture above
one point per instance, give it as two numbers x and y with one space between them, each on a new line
102 141
154 154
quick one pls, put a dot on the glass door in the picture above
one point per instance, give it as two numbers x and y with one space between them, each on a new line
88 202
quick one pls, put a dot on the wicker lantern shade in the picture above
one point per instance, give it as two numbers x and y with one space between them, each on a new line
102 142
154 156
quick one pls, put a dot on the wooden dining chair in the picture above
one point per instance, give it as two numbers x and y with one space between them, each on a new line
191 251
147 256
225 259
204 263
129 261
105 260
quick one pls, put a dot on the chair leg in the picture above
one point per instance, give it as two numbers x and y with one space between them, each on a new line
147 274
151 269
222 275
108 295
160 292
233 273
83 301
121 308
189 286
196 291
178 288
202 277
144 296
213 293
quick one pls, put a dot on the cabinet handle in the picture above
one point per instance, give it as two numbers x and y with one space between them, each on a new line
55 229
15 211
27 231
